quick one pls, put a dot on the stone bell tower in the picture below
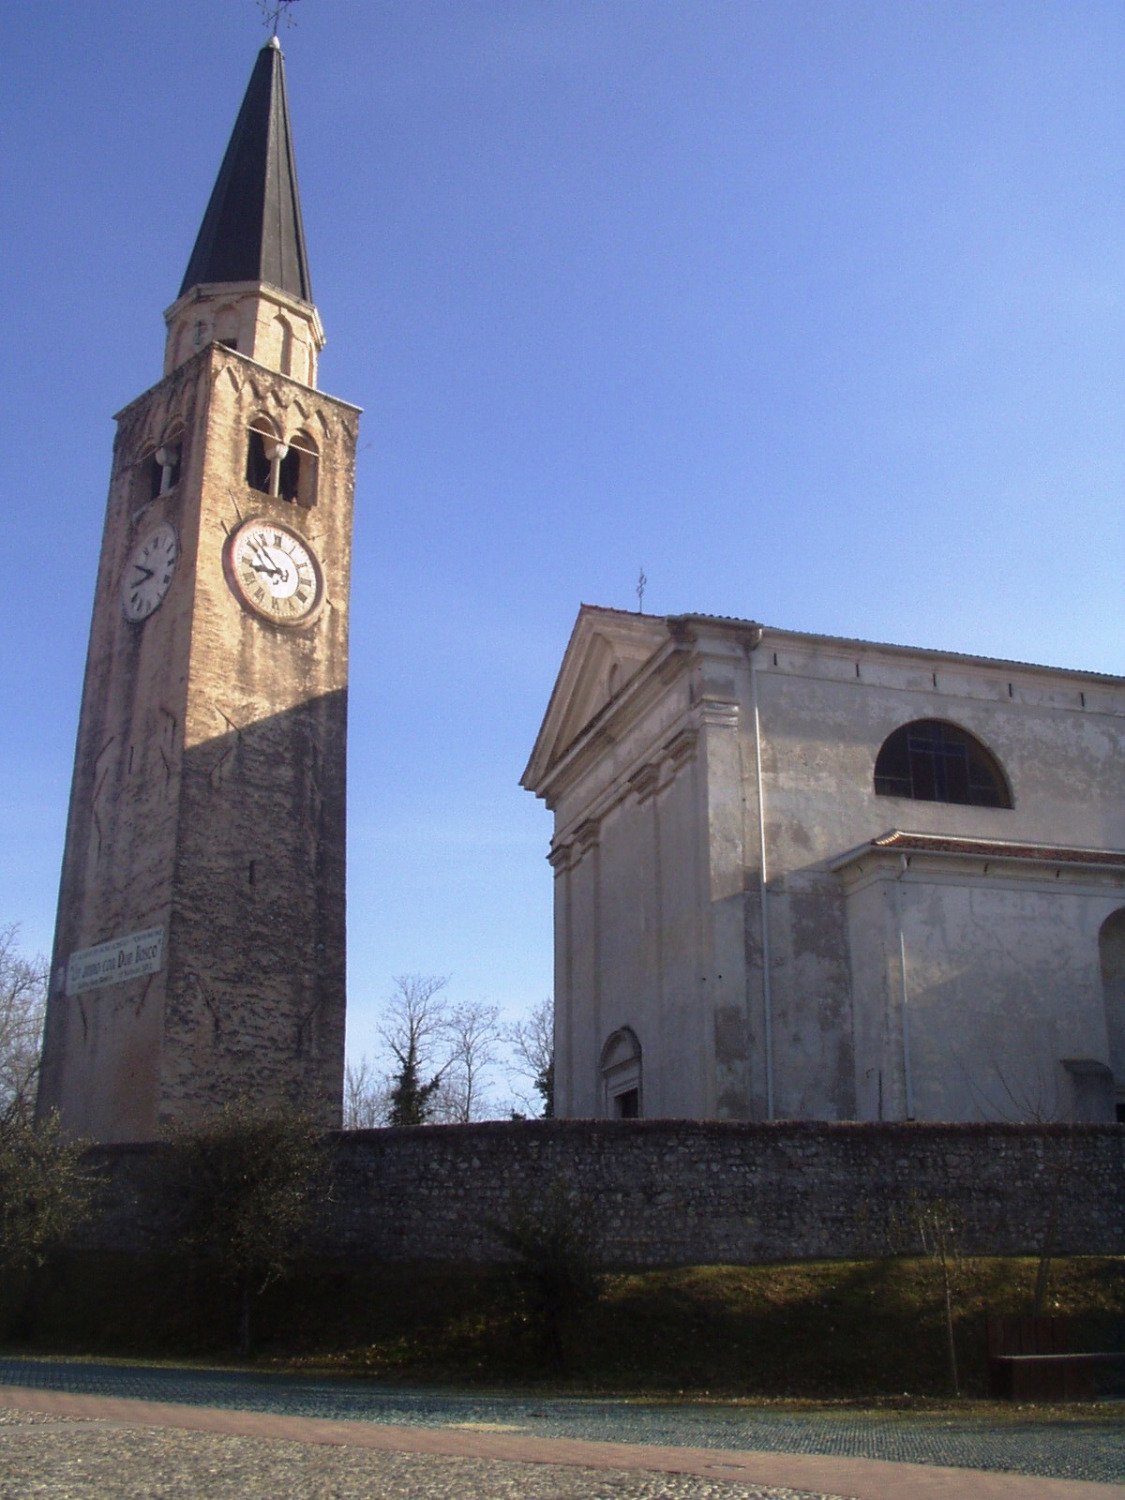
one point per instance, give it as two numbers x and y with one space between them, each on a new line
199 948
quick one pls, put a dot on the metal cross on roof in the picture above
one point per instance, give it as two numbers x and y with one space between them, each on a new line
273 10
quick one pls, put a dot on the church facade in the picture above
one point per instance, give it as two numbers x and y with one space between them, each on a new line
199 949
798 877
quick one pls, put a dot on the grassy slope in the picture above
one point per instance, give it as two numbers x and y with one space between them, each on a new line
816 1330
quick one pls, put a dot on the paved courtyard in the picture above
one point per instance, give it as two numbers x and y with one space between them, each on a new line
80 1429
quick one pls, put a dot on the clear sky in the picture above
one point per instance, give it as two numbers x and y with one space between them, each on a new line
812 308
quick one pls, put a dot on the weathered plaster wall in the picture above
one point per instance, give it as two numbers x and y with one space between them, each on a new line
1003 982
998 984
629 940
659 900
662 1192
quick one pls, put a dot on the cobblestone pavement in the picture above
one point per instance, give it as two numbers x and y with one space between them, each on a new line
1076 1449
90 1460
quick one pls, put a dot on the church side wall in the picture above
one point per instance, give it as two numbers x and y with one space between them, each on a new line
1004 984
1002 970
657 853
825 715
660 1192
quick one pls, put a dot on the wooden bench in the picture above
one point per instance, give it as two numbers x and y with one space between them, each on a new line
1048 1377
1029 1359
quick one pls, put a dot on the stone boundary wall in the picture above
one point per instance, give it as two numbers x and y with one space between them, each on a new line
667 1192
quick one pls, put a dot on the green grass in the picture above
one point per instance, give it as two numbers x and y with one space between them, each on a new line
833 1330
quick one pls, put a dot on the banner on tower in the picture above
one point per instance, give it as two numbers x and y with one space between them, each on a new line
114 962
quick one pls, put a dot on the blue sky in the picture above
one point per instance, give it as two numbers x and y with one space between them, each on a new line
813 310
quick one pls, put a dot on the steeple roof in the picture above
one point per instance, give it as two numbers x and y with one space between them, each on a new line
252 229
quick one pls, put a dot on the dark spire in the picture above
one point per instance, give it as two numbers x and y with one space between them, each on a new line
252 229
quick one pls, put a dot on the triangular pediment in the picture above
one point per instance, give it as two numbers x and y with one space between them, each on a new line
607 648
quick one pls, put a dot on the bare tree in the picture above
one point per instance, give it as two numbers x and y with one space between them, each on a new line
555 1263
442 1056
241 1193
367 1096
413 1029
470 1033
45 1189
533 1048
1035 1100
23 999
937 1228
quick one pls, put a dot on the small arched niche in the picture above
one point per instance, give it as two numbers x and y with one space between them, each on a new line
621 1075
283 344
226 326
931 760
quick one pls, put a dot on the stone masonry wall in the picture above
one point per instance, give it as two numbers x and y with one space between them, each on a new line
681 1192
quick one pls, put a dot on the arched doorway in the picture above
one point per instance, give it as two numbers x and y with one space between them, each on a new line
1111 954
621 1075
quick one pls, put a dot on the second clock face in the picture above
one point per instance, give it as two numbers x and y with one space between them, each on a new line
148 574
274 572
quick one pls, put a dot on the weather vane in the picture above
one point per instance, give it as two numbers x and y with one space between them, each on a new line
273 10
642 584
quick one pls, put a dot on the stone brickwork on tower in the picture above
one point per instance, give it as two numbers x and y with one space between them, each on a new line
209 785
200 947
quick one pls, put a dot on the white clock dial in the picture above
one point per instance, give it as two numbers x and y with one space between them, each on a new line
274 572
148 573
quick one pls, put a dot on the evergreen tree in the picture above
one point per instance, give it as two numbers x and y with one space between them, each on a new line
545 1088
411 1100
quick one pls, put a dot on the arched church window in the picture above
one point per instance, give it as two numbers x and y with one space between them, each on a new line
164 466
931 760
621 1075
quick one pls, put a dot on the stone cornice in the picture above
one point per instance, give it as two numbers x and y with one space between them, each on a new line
949 857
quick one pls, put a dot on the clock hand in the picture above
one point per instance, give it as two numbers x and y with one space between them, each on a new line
144 572
264 565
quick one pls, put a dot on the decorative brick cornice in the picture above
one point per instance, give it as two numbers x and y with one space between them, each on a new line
681 747
645 783
586 834
714 713
559 858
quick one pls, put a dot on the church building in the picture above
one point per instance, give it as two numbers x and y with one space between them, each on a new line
199 947
799 877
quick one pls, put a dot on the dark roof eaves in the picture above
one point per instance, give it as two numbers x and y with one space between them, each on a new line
929 651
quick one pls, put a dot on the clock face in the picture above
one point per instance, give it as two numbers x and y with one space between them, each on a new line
148 573
274 572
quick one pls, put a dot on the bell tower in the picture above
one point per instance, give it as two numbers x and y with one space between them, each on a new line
199 946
